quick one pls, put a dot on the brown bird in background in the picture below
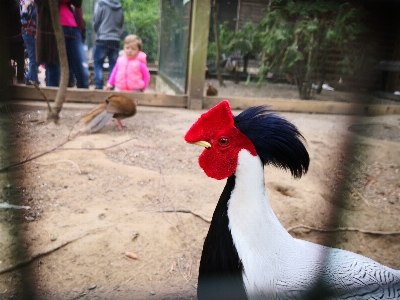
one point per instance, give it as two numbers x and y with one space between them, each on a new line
211 91
115 106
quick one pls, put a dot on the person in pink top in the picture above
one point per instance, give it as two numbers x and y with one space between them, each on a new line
46 50
130 73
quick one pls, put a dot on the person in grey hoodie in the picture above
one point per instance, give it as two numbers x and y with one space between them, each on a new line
108 19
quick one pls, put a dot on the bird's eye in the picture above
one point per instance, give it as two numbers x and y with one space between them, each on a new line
223 142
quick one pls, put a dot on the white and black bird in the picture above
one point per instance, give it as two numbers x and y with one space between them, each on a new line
247 253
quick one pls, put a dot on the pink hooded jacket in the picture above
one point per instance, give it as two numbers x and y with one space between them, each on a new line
130 74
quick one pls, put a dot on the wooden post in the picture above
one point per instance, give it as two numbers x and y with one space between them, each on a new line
199 27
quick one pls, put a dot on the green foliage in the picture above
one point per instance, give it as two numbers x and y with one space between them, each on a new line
225 36
298 37
244 40
87 9
142 18
231 41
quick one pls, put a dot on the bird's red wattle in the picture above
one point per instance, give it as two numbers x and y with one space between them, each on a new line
219 162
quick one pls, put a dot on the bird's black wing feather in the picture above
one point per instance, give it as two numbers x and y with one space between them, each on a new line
220 272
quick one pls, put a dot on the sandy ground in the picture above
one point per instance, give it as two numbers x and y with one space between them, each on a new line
101 195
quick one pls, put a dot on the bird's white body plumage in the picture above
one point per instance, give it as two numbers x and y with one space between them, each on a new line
278 266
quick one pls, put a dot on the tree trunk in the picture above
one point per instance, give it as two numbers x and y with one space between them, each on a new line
245 63
54 114
322 75
263 58
217 44
305 85
321 70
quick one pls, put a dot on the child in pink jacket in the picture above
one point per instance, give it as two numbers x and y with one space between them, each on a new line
130 73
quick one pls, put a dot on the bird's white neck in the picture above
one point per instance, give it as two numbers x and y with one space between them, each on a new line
262 243
249 210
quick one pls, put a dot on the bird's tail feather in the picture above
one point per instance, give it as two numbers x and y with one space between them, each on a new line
99 121
93 121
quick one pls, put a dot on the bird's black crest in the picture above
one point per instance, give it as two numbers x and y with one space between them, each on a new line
277 141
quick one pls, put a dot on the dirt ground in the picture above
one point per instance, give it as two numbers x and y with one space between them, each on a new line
102 195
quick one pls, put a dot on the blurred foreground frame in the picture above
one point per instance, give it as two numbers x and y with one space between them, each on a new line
349 168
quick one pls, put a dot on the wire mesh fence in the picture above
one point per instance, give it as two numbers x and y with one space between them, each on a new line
362 175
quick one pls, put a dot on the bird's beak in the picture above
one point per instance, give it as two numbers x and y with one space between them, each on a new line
204 144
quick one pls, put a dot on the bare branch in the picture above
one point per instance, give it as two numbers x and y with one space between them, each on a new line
48 251
208 220
343 229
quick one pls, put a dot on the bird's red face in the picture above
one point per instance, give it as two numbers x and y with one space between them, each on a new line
215 131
